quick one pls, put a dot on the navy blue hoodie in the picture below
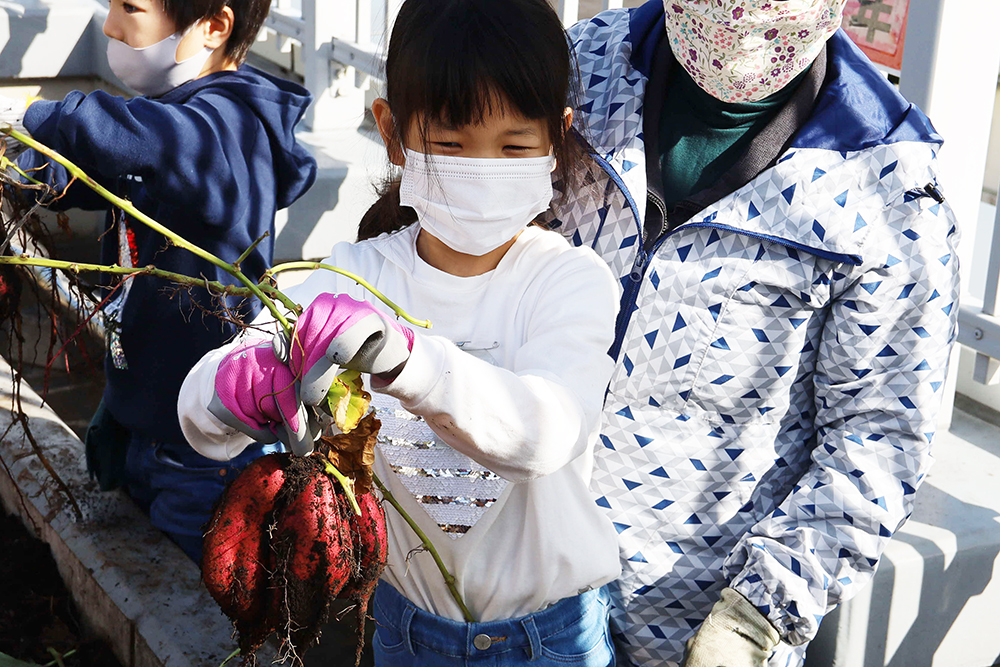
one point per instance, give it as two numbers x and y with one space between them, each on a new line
213 160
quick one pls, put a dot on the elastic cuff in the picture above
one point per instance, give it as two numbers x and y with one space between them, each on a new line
420 373
750 617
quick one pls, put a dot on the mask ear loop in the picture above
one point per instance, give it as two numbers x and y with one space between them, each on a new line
181 34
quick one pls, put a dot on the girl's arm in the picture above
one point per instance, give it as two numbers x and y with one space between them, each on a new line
532 420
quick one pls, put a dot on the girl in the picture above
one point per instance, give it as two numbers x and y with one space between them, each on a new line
489 420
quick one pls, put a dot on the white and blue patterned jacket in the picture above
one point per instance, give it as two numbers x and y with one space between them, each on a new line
781 356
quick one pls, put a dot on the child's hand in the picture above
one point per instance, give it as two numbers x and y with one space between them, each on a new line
255 393
335 332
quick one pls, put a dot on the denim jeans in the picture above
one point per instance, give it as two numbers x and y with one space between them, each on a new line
571 633
179 488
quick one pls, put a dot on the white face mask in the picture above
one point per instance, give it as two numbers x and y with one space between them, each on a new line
153 70
747 50
475 205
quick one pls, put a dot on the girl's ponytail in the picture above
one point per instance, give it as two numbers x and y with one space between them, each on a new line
387 214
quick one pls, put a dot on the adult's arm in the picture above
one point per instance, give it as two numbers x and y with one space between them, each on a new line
878 384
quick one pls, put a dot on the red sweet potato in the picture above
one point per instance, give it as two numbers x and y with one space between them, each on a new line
369 537
313 558
236 549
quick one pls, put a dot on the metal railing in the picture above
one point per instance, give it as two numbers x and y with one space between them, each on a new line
340 44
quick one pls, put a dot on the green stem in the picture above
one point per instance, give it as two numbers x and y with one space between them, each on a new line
449 579
312 266
127 206
347 484
230 657
246 253
83 267
67 654
5 163
57 658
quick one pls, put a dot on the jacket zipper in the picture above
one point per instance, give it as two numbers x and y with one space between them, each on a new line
631 288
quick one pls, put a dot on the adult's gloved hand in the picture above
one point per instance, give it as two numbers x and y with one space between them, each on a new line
735 634
256 393
12 115
335 332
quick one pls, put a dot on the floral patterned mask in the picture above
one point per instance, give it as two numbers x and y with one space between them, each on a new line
746 50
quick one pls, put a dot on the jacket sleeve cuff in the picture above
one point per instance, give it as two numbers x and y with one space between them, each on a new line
206 434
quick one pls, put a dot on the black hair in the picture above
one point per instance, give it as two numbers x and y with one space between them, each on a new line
459 61
248 17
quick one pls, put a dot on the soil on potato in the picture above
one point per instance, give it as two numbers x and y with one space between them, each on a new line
36 612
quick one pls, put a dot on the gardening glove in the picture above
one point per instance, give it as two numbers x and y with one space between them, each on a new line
256 393
335 332
12 115
735 634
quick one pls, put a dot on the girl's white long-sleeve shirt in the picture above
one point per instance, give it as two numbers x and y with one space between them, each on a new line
512 375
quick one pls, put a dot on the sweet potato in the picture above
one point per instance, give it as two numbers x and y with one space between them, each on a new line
313 558
236 549
369 537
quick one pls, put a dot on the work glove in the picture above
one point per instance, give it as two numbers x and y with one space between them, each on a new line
335 332
12 115
735 634
256 393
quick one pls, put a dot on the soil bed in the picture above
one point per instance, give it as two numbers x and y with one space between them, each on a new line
36 611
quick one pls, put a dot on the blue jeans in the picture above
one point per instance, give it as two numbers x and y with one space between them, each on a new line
571 633
179 488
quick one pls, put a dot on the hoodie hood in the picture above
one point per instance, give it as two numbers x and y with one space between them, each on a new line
280 105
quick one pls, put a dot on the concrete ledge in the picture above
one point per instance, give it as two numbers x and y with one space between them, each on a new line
133 586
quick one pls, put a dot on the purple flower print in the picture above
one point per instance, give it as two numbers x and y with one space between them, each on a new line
737 13
803 34
716 64
693 54
677 9
771 34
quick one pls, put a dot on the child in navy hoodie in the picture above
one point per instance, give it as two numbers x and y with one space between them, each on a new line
209 151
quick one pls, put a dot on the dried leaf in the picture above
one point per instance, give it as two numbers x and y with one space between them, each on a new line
354 453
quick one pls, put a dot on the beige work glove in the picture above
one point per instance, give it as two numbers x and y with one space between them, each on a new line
735 634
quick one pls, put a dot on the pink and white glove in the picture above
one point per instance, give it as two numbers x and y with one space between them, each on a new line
335 332
256 393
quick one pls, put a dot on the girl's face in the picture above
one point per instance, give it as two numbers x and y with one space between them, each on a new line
504 134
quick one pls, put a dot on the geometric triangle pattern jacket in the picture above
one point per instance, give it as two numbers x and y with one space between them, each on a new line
780 357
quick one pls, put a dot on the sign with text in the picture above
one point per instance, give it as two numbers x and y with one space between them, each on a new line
879 28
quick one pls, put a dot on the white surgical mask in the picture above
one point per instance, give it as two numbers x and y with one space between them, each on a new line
747 50
475 205
153 70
